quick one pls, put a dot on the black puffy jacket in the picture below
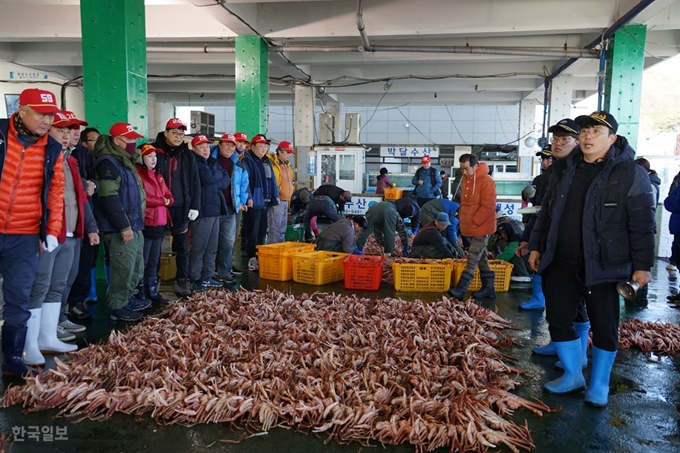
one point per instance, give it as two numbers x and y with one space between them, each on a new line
618 220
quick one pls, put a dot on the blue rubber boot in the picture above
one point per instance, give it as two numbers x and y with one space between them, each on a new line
92 297
548 349
583 331
598 391
107 271
572 380
537 301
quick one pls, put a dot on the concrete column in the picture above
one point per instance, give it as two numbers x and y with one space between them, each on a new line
527 120
114 63
304 132
561 90
623 79
252 85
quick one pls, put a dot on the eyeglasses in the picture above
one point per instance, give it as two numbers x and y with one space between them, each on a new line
177 133
561 140
593 131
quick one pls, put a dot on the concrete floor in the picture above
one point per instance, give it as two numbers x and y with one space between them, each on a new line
640 417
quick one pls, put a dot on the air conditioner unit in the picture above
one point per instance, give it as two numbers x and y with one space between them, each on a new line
202 123
352 128
326 128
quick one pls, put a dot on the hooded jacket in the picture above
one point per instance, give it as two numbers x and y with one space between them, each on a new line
214 179
180 159
427 189
239 181
285 193
618 220
478 203
156 212
261 179
434 207
121 199
36 206
672 205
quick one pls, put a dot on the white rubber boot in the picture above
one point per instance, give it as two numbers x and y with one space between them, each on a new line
32 355
47 340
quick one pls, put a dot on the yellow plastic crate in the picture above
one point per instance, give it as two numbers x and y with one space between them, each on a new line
435 277
501 283
318 268
276 260
393 194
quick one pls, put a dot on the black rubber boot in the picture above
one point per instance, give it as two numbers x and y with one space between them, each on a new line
13 341
141 291
152 290
487 290
459 291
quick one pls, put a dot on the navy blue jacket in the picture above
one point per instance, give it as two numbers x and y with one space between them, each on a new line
618 219
213 178
261 179
672 205
51 155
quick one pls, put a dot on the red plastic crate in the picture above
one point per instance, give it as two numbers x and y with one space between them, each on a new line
363 272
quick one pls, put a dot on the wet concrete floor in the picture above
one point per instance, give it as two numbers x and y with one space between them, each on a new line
640 417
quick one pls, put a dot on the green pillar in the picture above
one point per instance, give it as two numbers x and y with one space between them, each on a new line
114 68
252 85
114 63
623 79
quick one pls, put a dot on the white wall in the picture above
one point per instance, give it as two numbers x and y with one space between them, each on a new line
14 79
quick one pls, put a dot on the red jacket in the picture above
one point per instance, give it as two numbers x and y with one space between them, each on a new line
81 199
156 213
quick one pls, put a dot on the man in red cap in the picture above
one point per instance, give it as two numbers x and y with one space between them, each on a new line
264 193
121 201
26 221
427 182
178 167
277 216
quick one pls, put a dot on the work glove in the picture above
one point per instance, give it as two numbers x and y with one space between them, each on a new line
51 243
193 214
415 230
404 251
357 251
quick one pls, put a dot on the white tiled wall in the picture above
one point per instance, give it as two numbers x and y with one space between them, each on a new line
387 125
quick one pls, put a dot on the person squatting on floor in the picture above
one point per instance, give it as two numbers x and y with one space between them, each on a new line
595 229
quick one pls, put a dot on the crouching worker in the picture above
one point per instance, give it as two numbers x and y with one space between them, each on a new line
521 272
340 236
429 243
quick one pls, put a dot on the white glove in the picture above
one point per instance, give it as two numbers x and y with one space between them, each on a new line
193 214
51 243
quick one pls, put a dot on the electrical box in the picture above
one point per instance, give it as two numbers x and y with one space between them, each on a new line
352 128
326 128
202 123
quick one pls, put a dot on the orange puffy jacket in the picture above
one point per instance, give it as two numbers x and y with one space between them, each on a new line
477 214
31 184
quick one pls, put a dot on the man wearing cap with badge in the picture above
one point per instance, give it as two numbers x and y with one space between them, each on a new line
427 182
340 236
277 216
595 229
264 193
31 212
48 326
429 242
236 196
178 167
121 202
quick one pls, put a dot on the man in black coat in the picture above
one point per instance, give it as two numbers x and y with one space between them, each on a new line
178 166
339 195
595 229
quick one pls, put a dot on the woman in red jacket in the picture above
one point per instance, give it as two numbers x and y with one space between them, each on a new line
156 218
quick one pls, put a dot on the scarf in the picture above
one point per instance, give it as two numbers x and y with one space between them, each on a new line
26 136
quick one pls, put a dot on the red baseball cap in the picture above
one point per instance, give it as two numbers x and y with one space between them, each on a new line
124 129
41 101
175 123
148 148
228 138
241 137
72 117
425 160
287 146
259 138
200 139
61 119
